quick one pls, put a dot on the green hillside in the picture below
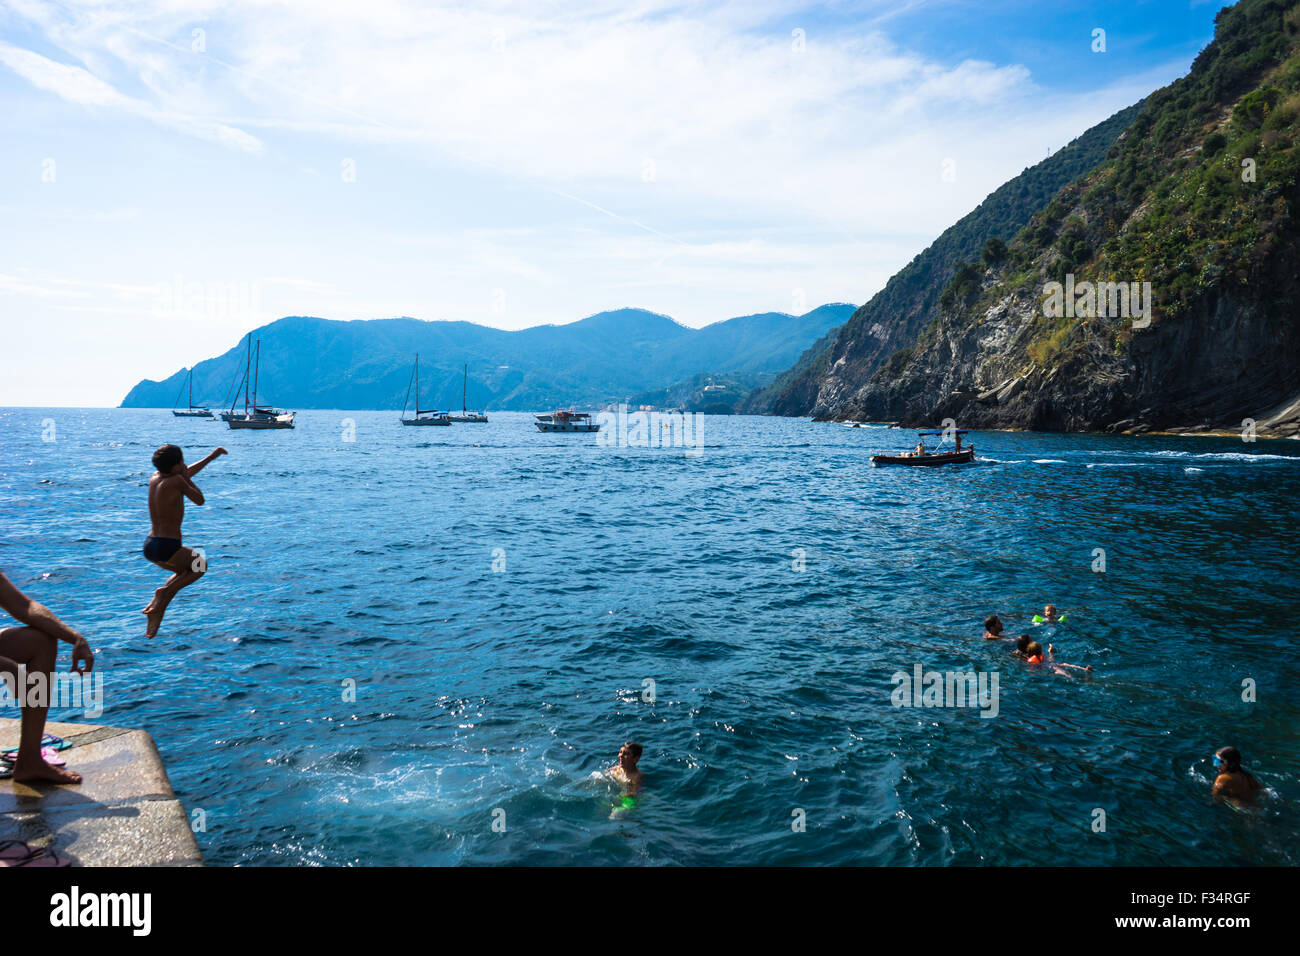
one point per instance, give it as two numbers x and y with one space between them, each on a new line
909 301
1199 200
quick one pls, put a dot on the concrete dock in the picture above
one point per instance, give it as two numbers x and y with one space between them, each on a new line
124 813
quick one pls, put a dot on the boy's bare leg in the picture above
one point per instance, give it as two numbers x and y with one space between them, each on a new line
183 563
38 651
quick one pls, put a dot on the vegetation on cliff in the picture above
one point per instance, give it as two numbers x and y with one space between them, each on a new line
1196 204
910 300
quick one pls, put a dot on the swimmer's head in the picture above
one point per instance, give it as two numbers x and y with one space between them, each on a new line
1023 642
166 458
1034 649
1229 759
629 754
1049 610
992 624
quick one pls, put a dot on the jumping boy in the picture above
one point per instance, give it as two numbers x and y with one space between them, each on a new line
168 489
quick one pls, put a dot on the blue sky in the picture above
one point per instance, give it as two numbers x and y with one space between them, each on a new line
173 174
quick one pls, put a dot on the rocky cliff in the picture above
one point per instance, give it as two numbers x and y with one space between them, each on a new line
1195 210
833 369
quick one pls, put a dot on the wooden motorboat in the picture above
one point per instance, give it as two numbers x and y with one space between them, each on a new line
925 457
942 458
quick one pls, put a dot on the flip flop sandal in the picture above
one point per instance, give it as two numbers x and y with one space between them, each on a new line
45 857
48 754
48 740
16 852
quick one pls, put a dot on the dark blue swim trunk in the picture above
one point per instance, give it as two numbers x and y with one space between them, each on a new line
160 550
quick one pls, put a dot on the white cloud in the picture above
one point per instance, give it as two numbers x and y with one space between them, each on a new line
76 85
580 97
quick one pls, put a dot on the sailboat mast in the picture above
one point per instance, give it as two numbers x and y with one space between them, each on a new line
257 366
417 384
248 360
464 391
408 394
191 389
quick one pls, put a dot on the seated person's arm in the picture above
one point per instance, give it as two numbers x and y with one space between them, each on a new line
34 613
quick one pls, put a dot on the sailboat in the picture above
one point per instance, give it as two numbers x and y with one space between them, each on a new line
235 385
191 410
465 414
423 416
257 416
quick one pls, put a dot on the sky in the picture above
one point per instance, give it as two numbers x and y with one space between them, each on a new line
176 172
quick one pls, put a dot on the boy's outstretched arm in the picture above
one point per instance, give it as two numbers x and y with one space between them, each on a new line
198 466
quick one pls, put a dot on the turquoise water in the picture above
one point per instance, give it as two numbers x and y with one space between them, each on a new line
479 690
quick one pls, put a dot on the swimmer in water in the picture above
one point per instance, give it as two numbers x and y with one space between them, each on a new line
170 485
1057 665
1034 654
625 771
1022 646
1050 615
993 628
1233 783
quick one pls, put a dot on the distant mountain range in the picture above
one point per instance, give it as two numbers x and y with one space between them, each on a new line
366 364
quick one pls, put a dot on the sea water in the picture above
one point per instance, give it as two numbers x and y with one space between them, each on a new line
423 646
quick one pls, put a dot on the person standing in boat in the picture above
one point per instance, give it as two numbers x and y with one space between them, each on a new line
168 489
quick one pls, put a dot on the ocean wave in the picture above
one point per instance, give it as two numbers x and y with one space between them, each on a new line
1220 456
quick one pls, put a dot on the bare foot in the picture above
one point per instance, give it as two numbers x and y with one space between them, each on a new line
41 772
154 620
153 602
